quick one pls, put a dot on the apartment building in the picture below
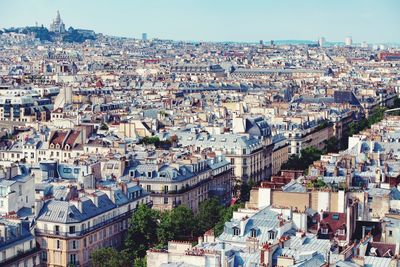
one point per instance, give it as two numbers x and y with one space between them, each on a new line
187 181
249 156
16 189
68 230
18 247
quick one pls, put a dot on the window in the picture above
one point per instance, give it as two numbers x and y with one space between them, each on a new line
58 244
390 233
335 217
324 231
73 244
148 188
43 256
236 231
341 231
72 258
57 229
67 170
72 229
271 234
76 171
165 200
253 232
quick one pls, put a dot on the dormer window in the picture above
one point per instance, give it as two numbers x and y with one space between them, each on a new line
253 232
236 231
341 231
271 234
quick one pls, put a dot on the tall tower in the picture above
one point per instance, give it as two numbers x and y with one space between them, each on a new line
321 41
144 36
348 41
57 26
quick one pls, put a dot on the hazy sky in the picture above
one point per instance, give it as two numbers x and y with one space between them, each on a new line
217 20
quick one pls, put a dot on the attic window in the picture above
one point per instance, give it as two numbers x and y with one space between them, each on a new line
236 231
271 234
253 232
61 214
335 217
324 231
48 213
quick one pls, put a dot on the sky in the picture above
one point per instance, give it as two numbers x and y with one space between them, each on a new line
372 21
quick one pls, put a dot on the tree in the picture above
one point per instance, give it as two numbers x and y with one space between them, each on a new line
177 224
226 215
142 232
245 189
109 257
208 215
150 140
140 262
332 145
104 127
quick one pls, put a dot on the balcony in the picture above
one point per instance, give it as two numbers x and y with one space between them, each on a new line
87 230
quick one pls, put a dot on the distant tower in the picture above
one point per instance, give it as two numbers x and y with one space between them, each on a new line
272 43
364 45
321 41
261 42
348 41
144 36
58 25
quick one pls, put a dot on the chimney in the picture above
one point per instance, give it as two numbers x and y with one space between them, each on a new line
200 241
78 204
38 206
348 225
123 187
95 199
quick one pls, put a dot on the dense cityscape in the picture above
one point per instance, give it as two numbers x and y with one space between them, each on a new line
118 151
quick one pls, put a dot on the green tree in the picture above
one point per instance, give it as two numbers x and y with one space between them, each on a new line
150 140
109 257
208 215
177 224
142 231
332 145
308 156
226 216
104 127
140 262
245 189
